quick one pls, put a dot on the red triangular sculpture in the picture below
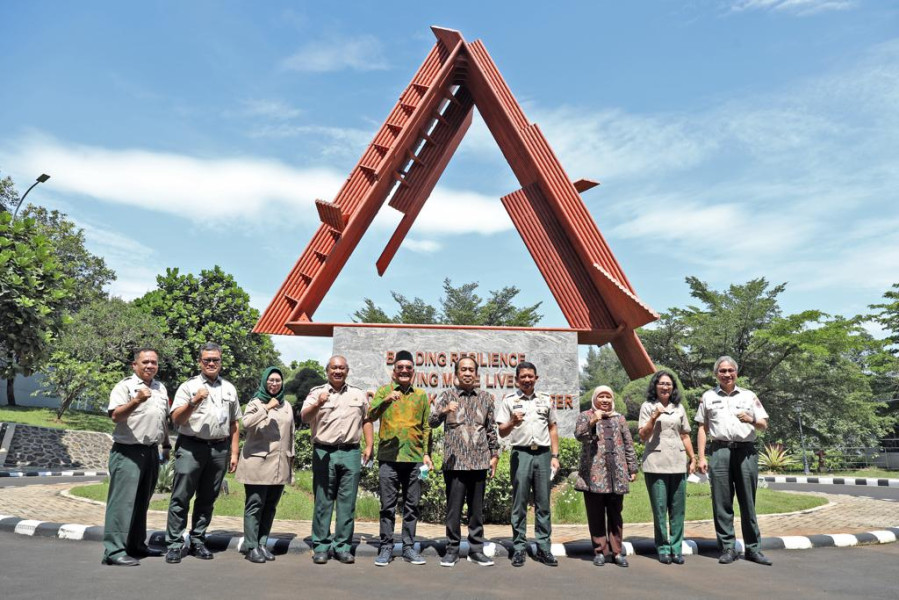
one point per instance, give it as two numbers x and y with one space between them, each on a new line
410 152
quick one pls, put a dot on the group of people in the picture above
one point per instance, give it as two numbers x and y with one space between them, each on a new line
206 412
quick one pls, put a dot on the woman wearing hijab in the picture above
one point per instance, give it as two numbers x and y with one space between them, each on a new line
608 464
667 460
266 461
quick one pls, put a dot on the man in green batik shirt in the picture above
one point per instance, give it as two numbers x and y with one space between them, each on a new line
404 444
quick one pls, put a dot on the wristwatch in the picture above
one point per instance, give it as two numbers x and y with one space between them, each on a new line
192 403
555 456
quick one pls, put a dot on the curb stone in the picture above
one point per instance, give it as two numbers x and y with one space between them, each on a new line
434 548
54 474
870 481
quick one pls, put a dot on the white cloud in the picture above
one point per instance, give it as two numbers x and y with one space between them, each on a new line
797 7
270 109
358 53
450 211
199 189
422 246
132 261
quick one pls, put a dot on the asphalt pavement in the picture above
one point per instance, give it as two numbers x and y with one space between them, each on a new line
858 491
862 572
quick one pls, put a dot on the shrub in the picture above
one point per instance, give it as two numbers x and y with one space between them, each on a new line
166 480
776 458
302 448
569 456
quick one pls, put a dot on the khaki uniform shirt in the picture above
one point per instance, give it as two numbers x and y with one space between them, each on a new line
339 420
665 451
146 425
720 410
211 420
539 413
267 454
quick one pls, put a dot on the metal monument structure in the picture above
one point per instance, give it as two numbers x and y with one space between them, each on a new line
403 163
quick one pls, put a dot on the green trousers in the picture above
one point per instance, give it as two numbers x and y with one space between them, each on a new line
668 499
735 471
531 470
133 470
199 468
259 513
335 479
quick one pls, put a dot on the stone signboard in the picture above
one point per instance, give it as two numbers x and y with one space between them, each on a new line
370 352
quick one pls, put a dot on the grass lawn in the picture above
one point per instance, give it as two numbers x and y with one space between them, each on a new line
46 417
872 472
569 504
296 503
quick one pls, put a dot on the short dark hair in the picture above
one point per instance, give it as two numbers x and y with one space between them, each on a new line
651 391
525 365
210 347
471 358
142 349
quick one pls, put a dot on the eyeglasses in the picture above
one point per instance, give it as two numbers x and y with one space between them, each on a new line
403 368
726 371
664 385
210 361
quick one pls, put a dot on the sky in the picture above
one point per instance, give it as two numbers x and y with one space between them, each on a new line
732 139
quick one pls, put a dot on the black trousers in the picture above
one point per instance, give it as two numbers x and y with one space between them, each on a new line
399 480
465 487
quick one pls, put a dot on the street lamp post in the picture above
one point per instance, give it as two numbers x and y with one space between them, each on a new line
802 440
41 179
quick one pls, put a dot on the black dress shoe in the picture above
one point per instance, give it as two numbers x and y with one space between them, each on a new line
518 558
678 559
728 556
173 556
201 551
599 560
665 559
121 561
620 560
346 558
256 556
320 558
546 557
268 555
758 558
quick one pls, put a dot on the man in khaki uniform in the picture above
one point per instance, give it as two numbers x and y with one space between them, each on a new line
730 416
139 407
205 411
337 413
528 419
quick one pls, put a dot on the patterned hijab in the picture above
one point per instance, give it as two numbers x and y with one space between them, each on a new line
262 390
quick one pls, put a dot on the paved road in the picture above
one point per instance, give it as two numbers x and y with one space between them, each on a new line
20 481
865 572
859 491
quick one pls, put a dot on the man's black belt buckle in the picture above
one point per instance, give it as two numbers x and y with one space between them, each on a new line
532 447
337 446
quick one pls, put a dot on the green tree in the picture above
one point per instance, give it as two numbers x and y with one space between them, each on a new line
9 197
34 290
459 306
95 349
603 368
808 361
210 307
89 271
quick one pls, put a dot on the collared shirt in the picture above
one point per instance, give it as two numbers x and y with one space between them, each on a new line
340 419
539 413
146 425
404 434
665 451
470 439
720 409
211 419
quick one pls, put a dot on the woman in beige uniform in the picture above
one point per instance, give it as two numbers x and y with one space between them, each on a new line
266 461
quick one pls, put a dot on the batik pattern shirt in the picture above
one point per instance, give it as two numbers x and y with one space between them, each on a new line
404 434
470 439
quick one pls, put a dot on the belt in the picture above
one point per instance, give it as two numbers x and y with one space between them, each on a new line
731 445
332 447
531 448
202 441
